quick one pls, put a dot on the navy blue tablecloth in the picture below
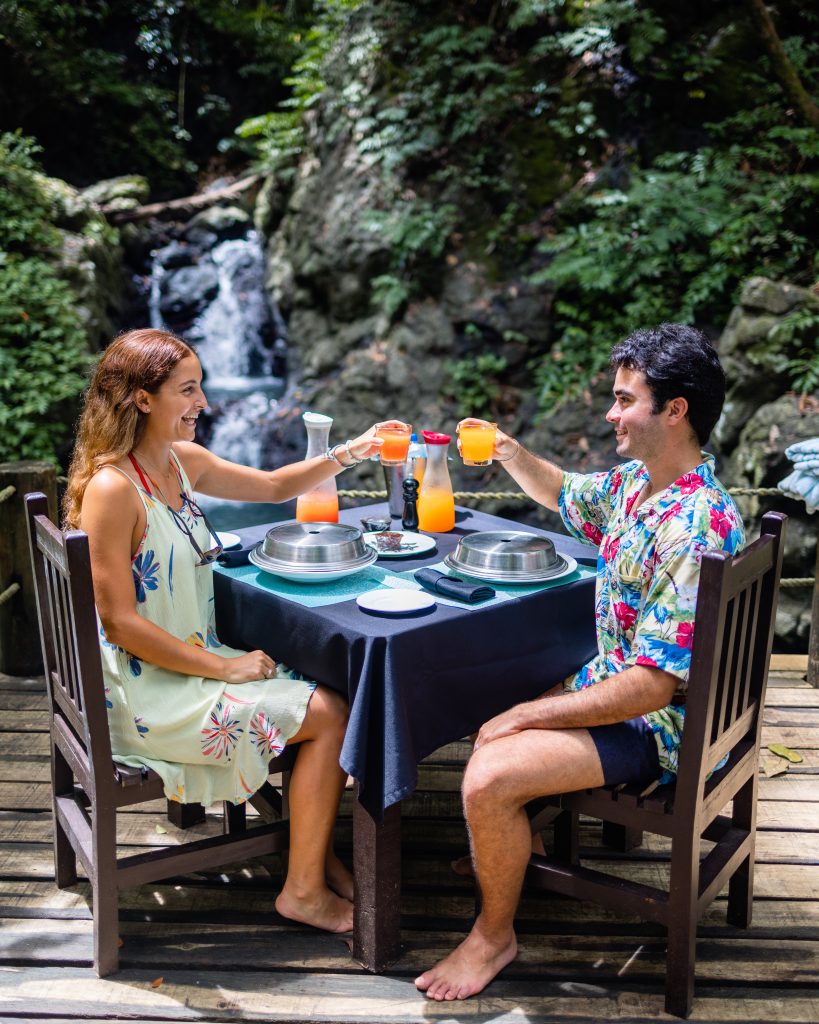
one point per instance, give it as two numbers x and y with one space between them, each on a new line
415 683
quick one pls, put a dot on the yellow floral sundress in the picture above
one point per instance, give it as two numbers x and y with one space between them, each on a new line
208 740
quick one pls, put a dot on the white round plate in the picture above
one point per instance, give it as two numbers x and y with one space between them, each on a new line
229 540
307 576
411 546
394 602
506 579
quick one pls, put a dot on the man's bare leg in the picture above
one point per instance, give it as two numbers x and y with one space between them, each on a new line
500 779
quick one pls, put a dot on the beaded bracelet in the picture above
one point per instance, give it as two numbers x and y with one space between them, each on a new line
514 453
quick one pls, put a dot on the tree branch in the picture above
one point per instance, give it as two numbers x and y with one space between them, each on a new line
187 204
785 70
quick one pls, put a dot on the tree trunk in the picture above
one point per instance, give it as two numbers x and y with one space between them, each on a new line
783 67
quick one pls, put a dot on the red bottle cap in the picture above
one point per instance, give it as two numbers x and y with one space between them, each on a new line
432 437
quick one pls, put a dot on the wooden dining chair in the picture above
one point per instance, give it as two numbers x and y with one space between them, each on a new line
88 786
733 635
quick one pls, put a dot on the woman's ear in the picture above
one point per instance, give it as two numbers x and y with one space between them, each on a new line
142 400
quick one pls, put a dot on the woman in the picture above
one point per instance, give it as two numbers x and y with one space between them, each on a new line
206 717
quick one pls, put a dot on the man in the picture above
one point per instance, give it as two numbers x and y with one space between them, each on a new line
620 717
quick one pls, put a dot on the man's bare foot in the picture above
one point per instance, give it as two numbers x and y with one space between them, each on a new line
468 969
463 865
321 909
339 878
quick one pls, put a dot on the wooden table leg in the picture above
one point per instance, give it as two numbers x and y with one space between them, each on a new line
377 866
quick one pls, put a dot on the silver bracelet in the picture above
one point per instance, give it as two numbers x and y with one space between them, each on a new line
330 456
350 453
514 453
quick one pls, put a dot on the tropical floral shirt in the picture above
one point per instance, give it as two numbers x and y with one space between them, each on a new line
647 574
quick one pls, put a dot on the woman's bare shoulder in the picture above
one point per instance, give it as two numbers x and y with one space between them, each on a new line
111 491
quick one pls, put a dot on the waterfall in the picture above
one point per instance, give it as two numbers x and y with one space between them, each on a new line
215 299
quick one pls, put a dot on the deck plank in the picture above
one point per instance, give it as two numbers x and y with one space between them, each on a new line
223 954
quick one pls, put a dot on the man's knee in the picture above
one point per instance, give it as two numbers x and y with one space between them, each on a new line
489 779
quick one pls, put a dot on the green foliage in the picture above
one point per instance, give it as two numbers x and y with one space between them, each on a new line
414 230
799 332
280 134
473 382
676 245
43 353
150 87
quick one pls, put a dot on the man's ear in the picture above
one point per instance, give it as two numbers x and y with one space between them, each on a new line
676 409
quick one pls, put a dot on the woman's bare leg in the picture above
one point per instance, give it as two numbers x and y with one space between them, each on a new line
316 785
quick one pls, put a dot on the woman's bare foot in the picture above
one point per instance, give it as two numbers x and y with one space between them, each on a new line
463 865
321 909
468 969
339 878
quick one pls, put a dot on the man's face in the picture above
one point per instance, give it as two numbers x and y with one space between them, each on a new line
638 431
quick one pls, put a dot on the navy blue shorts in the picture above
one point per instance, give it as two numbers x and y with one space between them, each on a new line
628 752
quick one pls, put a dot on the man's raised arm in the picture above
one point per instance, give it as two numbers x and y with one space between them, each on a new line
541 479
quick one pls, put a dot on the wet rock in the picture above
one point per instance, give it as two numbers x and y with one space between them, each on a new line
123 193
219 222
186 292
777 297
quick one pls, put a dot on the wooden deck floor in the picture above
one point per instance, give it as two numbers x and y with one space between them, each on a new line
211 948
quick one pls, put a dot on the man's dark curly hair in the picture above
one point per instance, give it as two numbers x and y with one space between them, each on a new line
677 361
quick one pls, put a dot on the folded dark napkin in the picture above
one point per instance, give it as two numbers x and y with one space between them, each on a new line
236 556
451 586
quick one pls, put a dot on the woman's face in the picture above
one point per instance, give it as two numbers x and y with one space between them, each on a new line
174 409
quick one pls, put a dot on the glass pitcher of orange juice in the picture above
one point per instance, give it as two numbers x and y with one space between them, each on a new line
320 505
436 504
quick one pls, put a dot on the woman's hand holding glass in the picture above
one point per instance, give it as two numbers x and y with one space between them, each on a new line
368 444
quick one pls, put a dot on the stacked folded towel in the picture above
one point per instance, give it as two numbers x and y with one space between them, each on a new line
803 482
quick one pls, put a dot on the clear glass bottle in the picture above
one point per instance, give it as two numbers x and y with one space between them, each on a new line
320 505
416 459
436 504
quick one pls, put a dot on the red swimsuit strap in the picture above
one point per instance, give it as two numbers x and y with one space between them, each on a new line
140 474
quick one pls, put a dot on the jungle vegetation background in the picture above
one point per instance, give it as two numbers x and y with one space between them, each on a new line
644 157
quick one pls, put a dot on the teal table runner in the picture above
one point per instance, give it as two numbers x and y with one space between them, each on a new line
318 595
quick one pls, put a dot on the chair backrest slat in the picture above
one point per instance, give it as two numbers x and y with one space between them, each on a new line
733 636
70 641
743 695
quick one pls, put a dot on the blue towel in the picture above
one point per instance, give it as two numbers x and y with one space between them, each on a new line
803 483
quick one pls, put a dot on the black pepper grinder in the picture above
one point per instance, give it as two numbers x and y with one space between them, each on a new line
409 520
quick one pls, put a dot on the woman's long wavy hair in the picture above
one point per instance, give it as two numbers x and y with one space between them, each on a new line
111 425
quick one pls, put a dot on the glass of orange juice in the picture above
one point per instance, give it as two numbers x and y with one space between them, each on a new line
477 442
396 444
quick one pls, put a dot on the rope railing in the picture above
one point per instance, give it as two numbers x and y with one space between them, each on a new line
761 492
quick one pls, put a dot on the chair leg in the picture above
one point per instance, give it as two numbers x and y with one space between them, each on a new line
105 891
185 815
682 927
621 837
741 884
235 817
106 930
65 858
567 840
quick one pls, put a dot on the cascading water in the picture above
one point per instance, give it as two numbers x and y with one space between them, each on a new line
215 299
